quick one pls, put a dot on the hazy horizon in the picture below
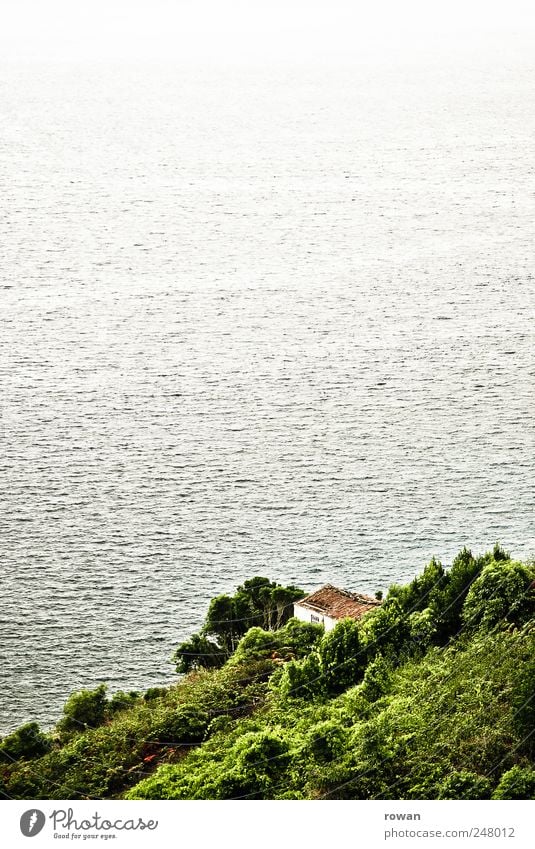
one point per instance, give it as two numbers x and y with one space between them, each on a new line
238 32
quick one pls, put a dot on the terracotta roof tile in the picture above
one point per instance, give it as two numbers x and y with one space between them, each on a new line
337 603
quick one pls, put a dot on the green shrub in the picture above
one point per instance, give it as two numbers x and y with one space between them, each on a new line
446 600
326 740
154 693
223 722
422 628
386 630
417 595
500 595
121 701
377 679
517 783
342 657
302 679
84 709
524 707
259 759
185 725
26 742
465 785
294 640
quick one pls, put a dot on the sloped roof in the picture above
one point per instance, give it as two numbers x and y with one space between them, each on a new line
337 603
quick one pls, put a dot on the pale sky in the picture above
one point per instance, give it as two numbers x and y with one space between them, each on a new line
249 30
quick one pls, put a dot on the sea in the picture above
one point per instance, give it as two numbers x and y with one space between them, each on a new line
268 320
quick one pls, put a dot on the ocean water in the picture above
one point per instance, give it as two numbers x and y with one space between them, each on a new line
268 321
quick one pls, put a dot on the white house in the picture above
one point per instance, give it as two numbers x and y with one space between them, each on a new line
328 605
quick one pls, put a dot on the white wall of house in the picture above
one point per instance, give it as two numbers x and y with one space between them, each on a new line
305 614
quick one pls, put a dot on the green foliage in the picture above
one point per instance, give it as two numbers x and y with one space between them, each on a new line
84 709
446 601
259 602
121 701
103 762
422 629
199 652
516 783
433 727
326 740
524 708
342 657
259 758
465 785
416 595
377 679
183 726
223 722
501 594
26 742
386 630
154 693
302 679
294 640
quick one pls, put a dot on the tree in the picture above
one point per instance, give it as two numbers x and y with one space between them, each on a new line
257 602
342 656
416 595
446 601
386 629
503 593
199 652
224 622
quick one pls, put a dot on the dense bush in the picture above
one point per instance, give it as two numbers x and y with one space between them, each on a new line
418 594
387 630
465 785
377 678
446 600
187 724
26 742
326 740
302 679
121 701
84 709
501 594
523 703
294 640
342 657
516 783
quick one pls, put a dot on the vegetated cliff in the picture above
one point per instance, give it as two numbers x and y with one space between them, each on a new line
430 696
